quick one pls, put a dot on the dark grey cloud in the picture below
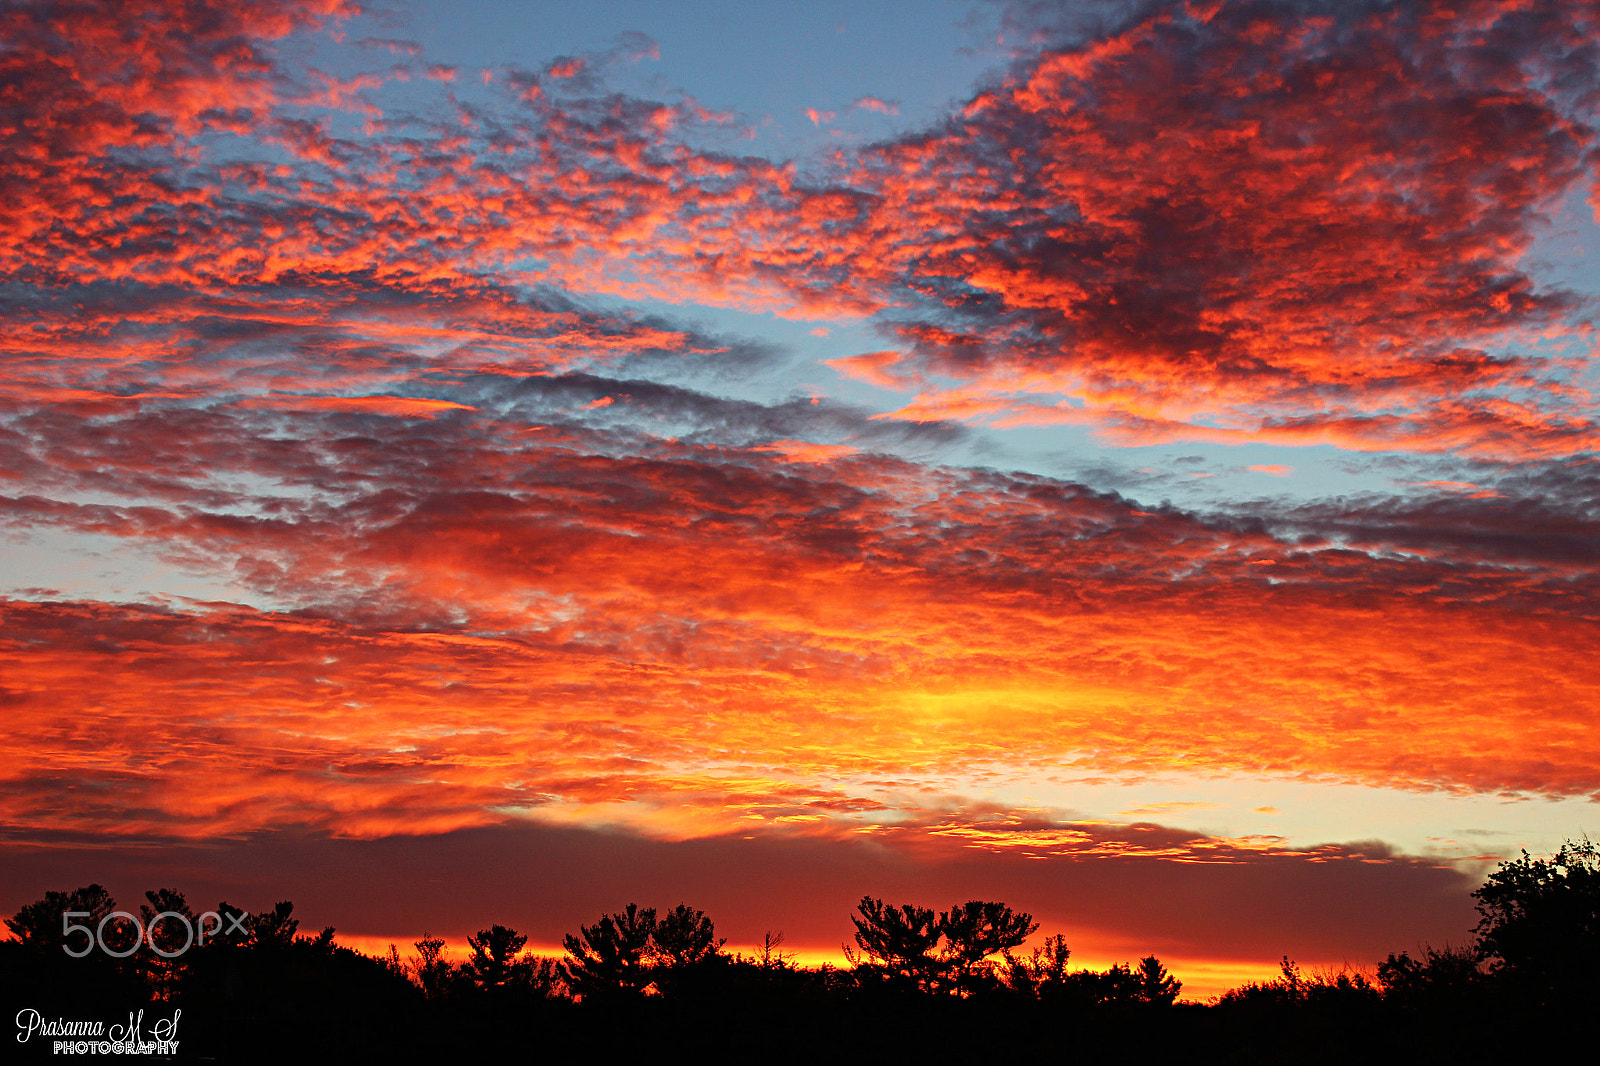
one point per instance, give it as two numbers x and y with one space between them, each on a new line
1357 901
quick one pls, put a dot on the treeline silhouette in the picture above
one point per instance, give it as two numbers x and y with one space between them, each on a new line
919 985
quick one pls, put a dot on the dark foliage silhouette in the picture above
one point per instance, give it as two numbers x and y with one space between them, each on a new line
923 986
1339 986
684 937
1438 976
898 942
172 929
39 925
494 962
633 952
611 957
974 931
1043 973
1152 983
434 974
57 967
250 987
1540 925
275 928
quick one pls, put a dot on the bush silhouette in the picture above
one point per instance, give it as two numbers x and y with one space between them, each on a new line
1439 976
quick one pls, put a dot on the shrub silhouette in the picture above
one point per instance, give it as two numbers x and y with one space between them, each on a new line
1439 976
1342 986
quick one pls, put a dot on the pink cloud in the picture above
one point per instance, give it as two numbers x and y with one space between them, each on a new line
872 103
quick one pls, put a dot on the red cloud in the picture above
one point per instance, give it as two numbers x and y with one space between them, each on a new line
1259 215
1250 225
931 609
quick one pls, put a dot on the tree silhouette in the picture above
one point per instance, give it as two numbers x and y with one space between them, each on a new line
39 925
641 979
685 954
1154 984
173 930
1044 972
494 963
275 928
975 930
97 962
771 958
684 937
899 940
233 933
434 974
1540 922
1044 976
610 958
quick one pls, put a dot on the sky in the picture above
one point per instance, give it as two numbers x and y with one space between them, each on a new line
495 462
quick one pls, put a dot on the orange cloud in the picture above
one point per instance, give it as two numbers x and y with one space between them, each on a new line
785 636
799 451
383 405
872 367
